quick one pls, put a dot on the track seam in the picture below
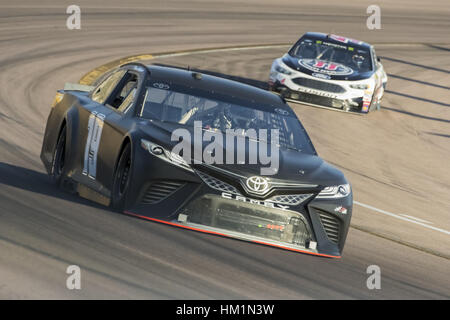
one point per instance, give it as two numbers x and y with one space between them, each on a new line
401 242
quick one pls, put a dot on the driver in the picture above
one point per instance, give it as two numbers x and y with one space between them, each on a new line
358 60
225 119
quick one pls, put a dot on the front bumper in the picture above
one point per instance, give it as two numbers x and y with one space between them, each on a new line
359 104
298 222
337 95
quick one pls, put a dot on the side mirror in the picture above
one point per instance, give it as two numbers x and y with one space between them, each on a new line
378 59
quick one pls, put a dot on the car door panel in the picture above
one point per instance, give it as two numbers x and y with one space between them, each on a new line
112 136
91 114
87 131
107 126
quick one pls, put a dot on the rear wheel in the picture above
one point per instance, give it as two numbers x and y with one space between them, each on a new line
121 181
59 158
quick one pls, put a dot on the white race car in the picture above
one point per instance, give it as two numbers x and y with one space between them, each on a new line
330 71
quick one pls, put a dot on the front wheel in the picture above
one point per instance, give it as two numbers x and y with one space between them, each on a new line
59 158
121 181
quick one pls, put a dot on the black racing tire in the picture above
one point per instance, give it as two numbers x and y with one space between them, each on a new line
121 180
59 158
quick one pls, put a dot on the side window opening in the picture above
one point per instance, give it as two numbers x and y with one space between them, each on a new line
123 95
128 101
102 92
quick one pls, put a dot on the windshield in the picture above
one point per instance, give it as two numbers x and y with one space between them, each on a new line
311 50
166 105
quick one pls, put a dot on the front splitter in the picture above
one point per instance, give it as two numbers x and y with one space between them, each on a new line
230 234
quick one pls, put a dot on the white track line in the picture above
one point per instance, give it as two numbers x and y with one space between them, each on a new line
401 217
187 53
417 219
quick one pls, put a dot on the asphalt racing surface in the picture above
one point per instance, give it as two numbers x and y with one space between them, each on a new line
397 159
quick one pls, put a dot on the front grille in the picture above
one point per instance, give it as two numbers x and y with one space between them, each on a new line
249 219
331 225
159 191
217 184
319 100
319 85
290 199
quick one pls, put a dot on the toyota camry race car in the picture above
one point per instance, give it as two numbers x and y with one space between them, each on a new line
132 143
330 71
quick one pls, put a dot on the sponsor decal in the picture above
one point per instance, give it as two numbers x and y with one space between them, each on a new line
326 67
341 209
366 100
321 76
344 39
95 128
318 93
267 204
273 227
339 38
334 45
160 85
282 111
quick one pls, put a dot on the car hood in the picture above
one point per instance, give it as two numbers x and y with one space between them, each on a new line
293 166
342 72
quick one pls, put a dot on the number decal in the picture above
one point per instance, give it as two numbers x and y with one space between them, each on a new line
325 65
95 128
332 67
319 64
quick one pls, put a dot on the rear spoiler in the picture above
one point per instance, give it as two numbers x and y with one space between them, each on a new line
77 87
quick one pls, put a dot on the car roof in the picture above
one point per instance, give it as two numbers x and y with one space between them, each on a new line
338 40
234 91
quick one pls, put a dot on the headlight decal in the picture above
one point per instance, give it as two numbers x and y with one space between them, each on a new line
335 192
282 70
164 154
360 86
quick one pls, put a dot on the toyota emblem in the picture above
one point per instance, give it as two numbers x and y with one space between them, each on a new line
257 184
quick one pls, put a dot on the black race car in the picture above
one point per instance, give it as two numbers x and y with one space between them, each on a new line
116 144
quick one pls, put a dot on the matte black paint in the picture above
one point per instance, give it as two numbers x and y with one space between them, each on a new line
119 128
